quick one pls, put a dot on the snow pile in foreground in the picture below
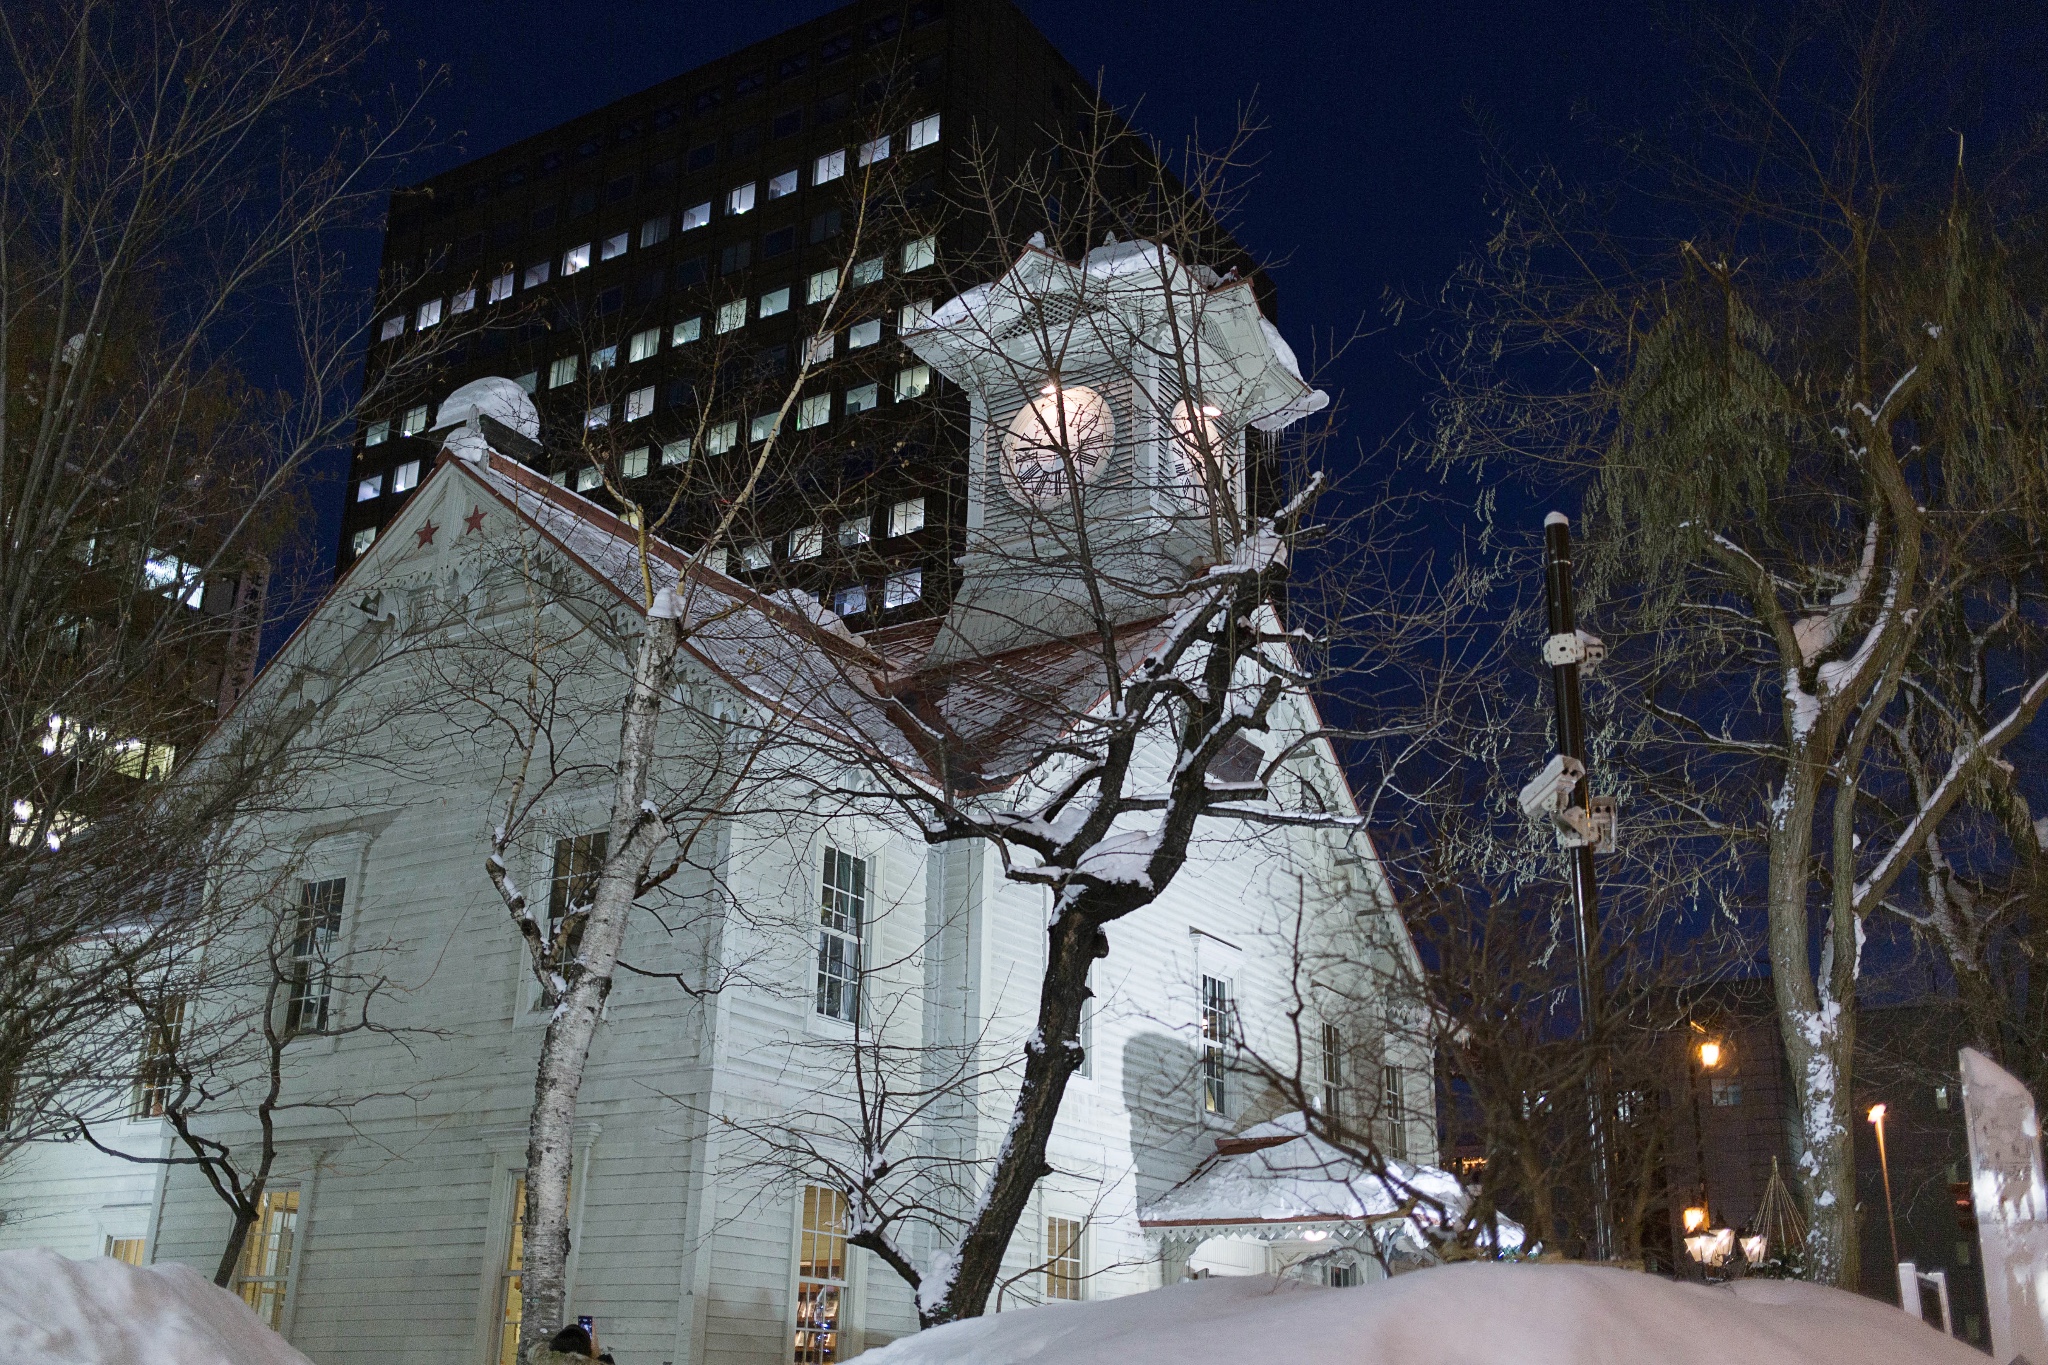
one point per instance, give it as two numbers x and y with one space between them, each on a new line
1474 1314
55 1311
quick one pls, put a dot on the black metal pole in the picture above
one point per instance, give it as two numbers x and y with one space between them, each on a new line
1571 741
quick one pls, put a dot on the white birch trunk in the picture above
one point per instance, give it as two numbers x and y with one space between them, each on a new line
586 982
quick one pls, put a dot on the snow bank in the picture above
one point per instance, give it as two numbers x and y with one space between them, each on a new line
1475 1314
55 1311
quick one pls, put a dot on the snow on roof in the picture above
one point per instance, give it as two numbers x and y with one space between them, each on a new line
1278 1175
55 1311
1472 1314
802 662
1116 297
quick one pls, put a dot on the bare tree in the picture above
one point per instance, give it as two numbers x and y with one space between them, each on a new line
1800 412
150 207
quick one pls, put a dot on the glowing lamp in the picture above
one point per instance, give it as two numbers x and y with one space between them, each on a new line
1877 1113
1695 1218
1710 1055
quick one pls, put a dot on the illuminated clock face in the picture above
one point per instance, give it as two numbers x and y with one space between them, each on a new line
1064 432
1197 458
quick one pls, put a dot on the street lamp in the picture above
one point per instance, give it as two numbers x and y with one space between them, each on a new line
1710 1054
1694 1218
1884 1167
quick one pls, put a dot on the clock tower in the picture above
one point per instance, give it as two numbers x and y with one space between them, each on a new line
1109 399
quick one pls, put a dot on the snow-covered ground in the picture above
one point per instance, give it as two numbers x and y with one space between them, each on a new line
55 1311
1476 1314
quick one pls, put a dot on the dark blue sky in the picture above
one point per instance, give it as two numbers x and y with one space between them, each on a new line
1371 163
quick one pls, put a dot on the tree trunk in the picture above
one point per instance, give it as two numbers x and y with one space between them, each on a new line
238 1236
960 1289
1817 1026
587 981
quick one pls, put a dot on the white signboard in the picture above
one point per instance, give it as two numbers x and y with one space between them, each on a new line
2012 1207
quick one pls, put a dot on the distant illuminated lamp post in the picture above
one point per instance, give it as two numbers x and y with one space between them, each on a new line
1884 1168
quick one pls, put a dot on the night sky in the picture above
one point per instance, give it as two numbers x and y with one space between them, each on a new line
1371 171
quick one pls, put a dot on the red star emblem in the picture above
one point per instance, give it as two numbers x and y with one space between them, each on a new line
426 534
475 520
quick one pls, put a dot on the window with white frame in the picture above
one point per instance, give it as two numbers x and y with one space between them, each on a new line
843 905
756 554
362 540
906 516
372 487
920 253
783 184
589 477
740 199
572 882
820 1277
828 167
820 285
597 415
696 216
406 477
462 301
1216 1032
902 588
429 315
820 349
732 316
310 989
775 301
378 434
862 397
923 133
1327 1090
869 271
1066 1269
511 1302
633 464
500 288
575 259
863 334
875 149
763 426
654 231
560 478
721 438
536 275
613 246
156 1076
675 452
639 403
851 600
642 345
394 326
263 1276
807 542
414 422
563 371
814 411
127 1250
913 381
853 531
603 358
686 331
1394 1109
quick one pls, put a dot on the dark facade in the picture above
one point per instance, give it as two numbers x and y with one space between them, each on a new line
1906 1060
609 256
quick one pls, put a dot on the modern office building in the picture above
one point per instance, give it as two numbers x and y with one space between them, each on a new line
651 271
